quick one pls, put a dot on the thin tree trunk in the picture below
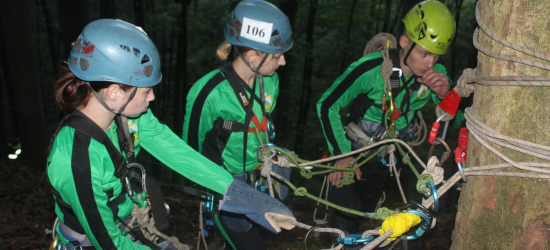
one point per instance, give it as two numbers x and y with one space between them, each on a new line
458 6
73 16
22 75
308 70
396 19
387 14
508 212
180 81
289 7
139 13
3 115
348 34
53 35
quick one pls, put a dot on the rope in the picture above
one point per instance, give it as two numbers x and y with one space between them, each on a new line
148 227
201 230
378 43
324 220
434 170
420 130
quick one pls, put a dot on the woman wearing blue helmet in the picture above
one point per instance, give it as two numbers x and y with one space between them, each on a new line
113 66
228 110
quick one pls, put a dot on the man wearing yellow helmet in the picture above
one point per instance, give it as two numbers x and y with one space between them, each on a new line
429 30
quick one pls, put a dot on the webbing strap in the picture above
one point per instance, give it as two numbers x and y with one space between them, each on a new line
86 126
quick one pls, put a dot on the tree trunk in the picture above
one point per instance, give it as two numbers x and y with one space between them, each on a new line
53 35
21 73
289 7
308 70
73 16
139 13
508 212
3 116
348 34
180 82
458 6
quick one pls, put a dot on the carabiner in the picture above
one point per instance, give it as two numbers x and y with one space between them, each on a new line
426 222
434 194
143 175
260 148
354 239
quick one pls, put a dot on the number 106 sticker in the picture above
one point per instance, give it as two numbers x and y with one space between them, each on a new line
256 30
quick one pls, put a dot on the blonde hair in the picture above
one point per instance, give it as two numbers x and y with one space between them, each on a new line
223 50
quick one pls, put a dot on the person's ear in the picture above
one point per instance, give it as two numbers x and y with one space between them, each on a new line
403 41
251 55
113 92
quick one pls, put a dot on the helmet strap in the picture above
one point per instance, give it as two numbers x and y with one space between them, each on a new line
257 71
105 104
408 53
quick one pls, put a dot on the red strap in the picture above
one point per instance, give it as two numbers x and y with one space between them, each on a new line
396 113
261 126
463 141
450 103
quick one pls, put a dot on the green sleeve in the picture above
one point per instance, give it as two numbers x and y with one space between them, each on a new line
171 150
342 92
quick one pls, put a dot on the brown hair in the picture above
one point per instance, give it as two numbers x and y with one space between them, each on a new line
71 92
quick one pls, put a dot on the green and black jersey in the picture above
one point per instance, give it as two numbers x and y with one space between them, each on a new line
363 76
211 99
82 172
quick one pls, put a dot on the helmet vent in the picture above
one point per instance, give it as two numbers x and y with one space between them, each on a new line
433 36
145 59
137 52
148 70
421 14
124 47
276 41
84 43
84 64
275 33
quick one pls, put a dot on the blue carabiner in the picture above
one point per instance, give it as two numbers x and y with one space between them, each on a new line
354 239
434 194
422 228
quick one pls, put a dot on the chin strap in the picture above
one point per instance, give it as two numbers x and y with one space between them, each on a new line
408 53
257 71
105 104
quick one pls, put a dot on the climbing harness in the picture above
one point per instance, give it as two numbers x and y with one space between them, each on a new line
125 173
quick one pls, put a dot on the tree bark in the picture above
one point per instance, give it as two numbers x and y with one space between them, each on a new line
21 73
507 212
308 72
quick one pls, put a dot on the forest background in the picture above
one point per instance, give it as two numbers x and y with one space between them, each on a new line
36 35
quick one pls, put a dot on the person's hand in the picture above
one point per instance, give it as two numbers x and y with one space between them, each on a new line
436 81
336 176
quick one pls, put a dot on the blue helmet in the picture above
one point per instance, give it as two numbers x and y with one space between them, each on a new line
115 51
259 25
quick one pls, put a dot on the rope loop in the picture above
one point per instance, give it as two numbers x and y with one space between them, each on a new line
301 191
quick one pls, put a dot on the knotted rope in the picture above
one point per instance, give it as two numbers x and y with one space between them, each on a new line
148 227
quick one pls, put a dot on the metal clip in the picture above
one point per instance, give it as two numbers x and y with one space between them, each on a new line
260 158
